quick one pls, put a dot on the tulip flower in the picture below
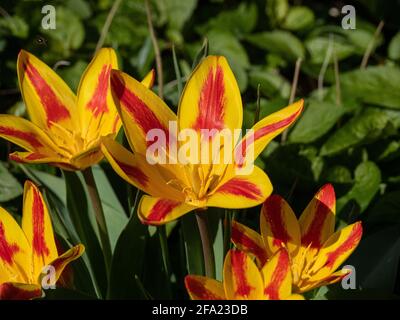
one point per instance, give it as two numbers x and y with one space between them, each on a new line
242 280
26 252
65 129
315 250
211 100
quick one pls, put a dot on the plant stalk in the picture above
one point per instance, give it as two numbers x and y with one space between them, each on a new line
208 250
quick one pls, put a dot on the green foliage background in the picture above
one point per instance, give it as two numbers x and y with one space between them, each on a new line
350 139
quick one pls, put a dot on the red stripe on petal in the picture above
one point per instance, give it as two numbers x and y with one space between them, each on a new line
348 244
55 110
325 202
273 213
26 136
241 188
212 101
198 288
242 239
98 103
38 242
279 274
134 172
144 116
7 250
161 209
10 292
259 133
114 127
238 261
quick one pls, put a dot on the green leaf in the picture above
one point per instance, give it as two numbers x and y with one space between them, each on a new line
298 18
338 174
318 118
238 21
192 244
14 25
128 260
78 208
279 42
394 47
10 188
366 184
276 10
318 46
379 85
272 84
366 127
176 12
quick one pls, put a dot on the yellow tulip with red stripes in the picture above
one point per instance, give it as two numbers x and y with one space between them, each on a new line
316 250
211 100
242 280
65 129
25 251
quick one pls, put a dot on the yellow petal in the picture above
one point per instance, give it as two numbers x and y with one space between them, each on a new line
141 110
242 191
211 98
336 250
158 211
135 169
15 252
62 261
249 241
37 227
202 288
242 280
47 97
279 226
317 222
19 291
264 131
148 80
95 103
277 276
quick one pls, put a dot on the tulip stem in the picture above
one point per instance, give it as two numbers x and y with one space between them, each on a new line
208 250
99 215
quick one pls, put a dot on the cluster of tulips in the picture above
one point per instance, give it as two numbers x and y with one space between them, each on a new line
74 132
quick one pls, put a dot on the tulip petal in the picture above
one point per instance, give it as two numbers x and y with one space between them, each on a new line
277 276
26 135
242 280
202 288
264 131
37 227
141 110
337 249
242 191
317 222
62 261
15 252
19 291
135 169
295 297
47 97
279 226
148 80
34 157
95 103
158 211
249 241
211 98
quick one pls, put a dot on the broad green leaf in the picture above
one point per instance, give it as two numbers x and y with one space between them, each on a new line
318 46
367 178
338 174
318 118
379 85
176 12
276 10
368 126
14 25
394 47
272 84
298 18
10 188
279 42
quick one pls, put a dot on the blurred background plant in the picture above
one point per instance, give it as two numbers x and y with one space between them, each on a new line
348 134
